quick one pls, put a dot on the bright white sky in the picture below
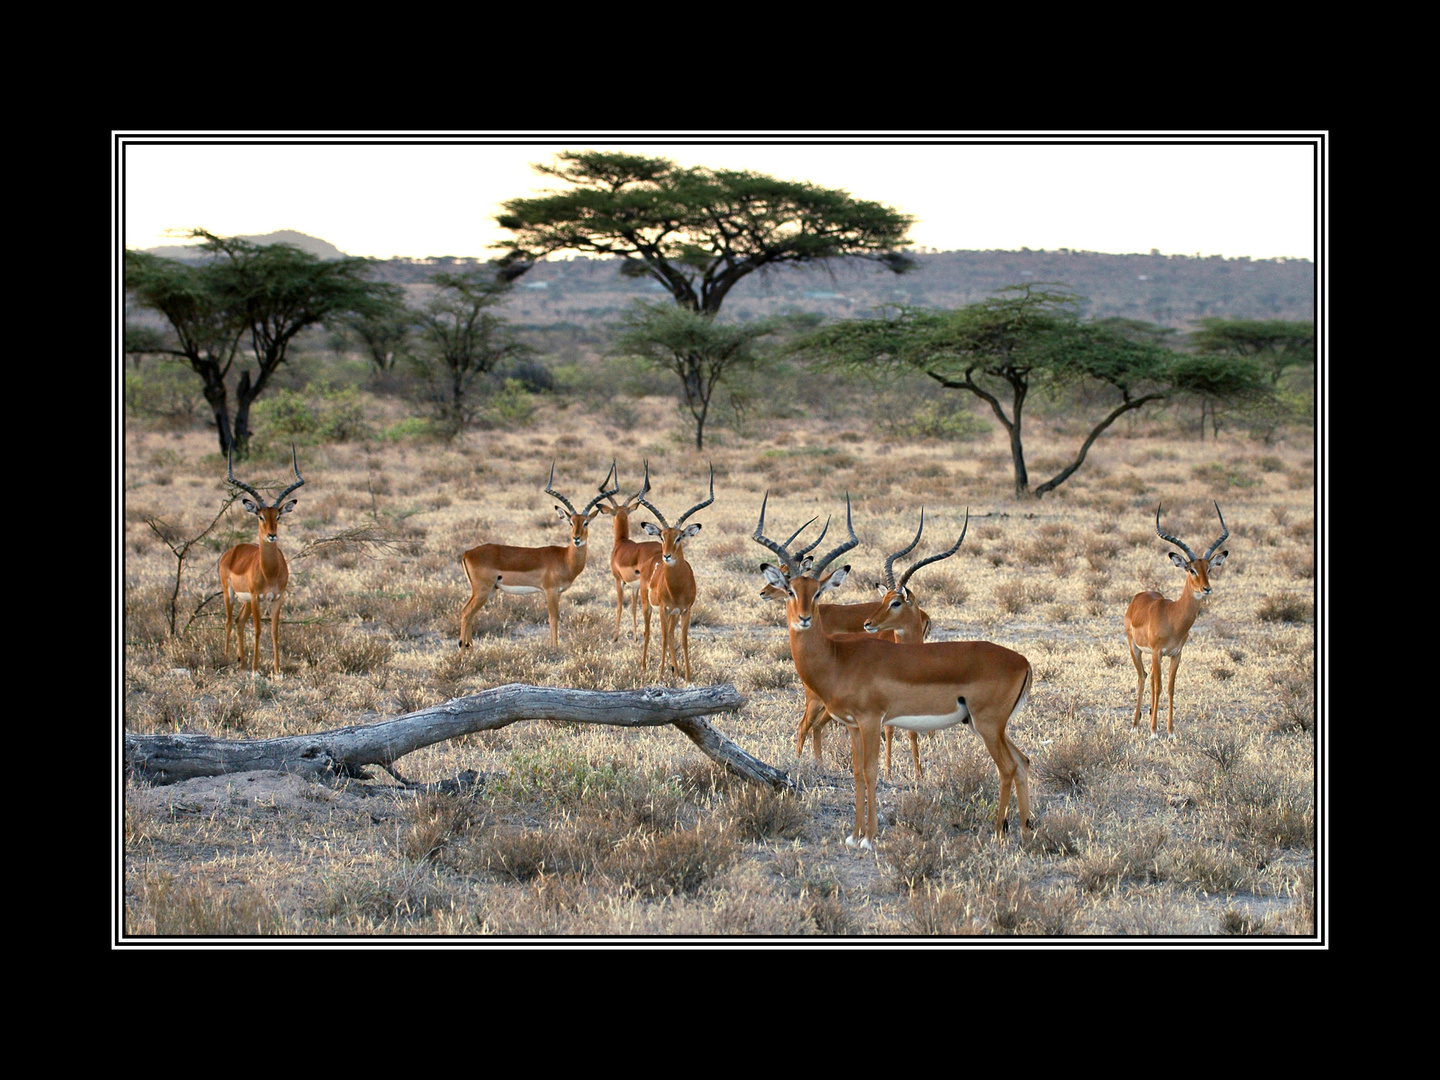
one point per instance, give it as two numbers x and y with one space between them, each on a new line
420 200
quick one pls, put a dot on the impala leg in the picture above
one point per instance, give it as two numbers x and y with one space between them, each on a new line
857 769
255 651
229 610
997 744
1022 786
889 742
242 618
1154 691
479 597
685 639
871 734
812 720
645 648
552 608
1140 689
914 753
275 633
619 605
1170 718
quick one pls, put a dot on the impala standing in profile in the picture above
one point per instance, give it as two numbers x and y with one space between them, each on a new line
257 573
1161 627
867 683
670 585
548 570
629 560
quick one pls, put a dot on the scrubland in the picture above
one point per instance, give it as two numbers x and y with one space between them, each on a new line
582 831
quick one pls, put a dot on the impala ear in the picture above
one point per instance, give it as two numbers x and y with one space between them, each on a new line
1218 560
776 578
651 529
833 580
1179 561
250 506
563 515
289 506
691 531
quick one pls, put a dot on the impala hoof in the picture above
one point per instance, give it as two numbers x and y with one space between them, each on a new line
850 842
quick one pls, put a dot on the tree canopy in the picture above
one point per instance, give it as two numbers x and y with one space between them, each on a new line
1027 337
260 295
1275 344
696 231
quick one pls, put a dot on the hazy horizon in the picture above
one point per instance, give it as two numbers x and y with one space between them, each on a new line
427 196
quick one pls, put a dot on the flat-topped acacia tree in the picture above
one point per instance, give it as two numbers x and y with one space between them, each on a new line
697 232
1026 338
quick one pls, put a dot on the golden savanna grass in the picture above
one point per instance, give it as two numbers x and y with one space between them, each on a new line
579 830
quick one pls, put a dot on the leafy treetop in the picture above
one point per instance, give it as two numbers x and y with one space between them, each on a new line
697 231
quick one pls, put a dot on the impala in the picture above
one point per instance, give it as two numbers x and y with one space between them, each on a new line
256 573
548 570
867 683
897 617
670 584
629 560
1161 627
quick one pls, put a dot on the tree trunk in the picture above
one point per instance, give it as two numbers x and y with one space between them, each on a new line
167 759
216 396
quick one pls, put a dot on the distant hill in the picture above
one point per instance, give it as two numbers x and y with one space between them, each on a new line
313 245
1172 290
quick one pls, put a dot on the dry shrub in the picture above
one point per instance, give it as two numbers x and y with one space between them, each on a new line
1016 907
1051 545
760 813
1132 859
1207 869
1013 597
913 858
938 911
1284 607
199 909
829 916
671 864
1295 696
945 586
436 820
1074 761
1063 832
1266 810
1236 922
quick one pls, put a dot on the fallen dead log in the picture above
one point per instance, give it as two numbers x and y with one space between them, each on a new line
168 759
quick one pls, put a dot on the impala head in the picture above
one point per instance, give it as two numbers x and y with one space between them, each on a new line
898 606
671 537
621 511
579 521
269 516
803 590
804 560
1197 570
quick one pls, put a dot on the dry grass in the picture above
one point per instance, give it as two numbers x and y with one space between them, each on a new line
584 831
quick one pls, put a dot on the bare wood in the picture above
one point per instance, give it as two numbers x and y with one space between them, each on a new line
1161 627
167 759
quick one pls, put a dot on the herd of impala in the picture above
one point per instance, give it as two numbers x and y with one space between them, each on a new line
866 665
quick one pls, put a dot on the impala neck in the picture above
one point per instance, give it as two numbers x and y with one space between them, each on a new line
575 557
270 558
622 524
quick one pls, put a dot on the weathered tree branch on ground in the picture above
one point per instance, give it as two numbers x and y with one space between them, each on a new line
167 759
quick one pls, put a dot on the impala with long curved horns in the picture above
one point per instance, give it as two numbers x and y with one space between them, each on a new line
526 570
867 683
670 584
257 573
629 560
1161 627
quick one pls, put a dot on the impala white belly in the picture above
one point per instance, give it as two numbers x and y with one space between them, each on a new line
519 588
929 723
245 597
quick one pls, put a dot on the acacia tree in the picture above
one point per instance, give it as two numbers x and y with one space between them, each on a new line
1275 344
695 231
1024 339
699 350
385 329
260 295
463 336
